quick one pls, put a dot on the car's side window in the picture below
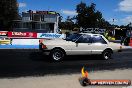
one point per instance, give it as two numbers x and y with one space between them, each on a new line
72 37
84 39
98 39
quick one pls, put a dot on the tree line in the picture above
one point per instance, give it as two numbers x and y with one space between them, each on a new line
87 16
8 13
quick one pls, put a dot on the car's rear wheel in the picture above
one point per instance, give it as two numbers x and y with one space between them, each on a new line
107 54
57 54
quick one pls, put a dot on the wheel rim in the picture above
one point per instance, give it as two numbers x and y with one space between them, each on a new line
57 55
107 55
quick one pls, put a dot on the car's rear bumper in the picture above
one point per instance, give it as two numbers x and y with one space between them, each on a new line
45 51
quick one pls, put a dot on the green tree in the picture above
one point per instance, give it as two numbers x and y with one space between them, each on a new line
81 9
8 13
88 16
67 25
103 24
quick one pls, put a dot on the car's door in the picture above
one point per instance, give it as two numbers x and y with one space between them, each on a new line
98 44
82 45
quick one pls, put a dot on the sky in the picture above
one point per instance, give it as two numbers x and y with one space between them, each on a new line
119 10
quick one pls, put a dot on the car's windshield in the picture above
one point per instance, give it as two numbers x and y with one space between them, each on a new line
72 37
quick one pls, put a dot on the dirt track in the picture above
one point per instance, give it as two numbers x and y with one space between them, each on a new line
64 81
30 69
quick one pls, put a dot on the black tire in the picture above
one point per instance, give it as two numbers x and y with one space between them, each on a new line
106 55
57 54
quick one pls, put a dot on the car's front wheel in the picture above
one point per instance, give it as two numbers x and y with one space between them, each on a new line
107 54
57 54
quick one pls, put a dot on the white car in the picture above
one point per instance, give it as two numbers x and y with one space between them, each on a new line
79 44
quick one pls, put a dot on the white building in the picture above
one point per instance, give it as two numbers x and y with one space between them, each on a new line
37 21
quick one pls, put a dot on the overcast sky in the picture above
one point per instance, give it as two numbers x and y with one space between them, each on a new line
119 10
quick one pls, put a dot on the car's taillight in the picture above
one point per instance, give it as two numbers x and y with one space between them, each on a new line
44 46
41 45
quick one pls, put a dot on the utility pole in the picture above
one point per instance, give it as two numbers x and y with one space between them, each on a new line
113 32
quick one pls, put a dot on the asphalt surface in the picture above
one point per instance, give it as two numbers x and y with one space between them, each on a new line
20 63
